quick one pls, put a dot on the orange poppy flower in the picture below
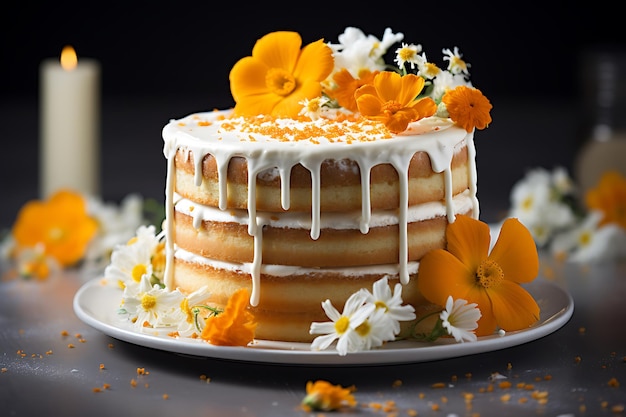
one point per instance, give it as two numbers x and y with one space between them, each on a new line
61 224
346 85
468 107
235 326
279 75
609 197
391 99
466 270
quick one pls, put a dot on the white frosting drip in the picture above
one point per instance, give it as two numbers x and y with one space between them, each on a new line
203 134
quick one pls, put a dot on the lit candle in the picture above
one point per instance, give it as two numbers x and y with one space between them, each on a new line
70 124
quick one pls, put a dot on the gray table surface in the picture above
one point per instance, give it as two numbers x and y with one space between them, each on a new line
571 368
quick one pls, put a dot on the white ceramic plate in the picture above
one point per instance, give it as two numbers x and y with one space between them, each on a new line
96 305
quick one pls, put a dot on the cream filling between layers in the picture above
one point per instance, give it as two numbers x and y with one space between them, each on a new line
461 203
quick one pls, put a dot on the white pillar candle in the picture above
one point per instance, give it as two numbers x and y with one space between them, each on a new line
70 124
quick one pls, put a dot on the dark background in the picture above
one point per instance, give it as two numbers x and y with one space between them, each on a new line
163 60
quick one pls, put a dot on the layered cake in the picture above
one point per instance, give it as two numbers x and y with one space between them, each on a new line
315 197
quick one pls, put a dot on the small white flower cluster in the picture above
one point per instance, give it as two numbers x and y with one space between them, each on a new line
146 302
547 204
117 224
369 319
356 52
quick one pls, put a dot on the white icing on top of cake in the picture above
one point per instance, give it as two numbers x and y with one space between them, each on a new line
273 147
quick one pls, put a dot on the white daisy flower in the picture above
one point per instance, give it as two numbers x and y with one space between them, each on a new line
131 261
117 224
590 242
186 318
428 70
456 64
152 306
460 319
343 325
375 330
390 304
313 108
408 53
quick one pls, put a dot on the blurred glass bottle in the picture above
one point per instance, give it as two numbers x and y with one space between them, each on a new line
603 80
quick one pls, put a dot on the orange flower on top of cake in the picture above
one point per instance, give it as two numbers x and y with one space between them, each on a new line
279 75
467 270
392 100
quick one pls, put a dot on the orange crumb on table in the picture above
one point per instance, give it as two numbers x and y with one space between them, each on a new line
64 333
49 352
133 382
505 398
71 346
3 370
396 383
578 359
618 408
438 385
613 382
110 345
101 366
166 396
505 384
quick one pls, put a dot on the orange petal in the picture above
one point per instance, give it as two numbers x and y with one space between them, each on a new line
516 252
513 307
247 77
468 240
315 63
412 86
388 85
367 101
425 107
441 274
278 50
487 324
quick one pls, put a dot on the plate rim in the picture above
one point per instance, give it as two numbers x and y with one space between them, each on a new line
287 353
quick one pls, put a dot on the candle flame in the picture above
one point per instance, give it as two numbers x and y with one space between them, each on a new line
69 60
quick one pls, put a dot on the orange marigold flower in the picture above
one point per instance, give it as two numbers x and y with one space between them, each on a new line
466 270
609 197
468 107
279 75
324 396
346 85
61 225
235 326
391 99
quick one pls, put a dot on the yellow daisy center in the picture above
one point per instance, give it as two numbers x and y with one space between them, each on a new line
280 82
342 324
489 274
380 304
148 301
138 271
364 329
